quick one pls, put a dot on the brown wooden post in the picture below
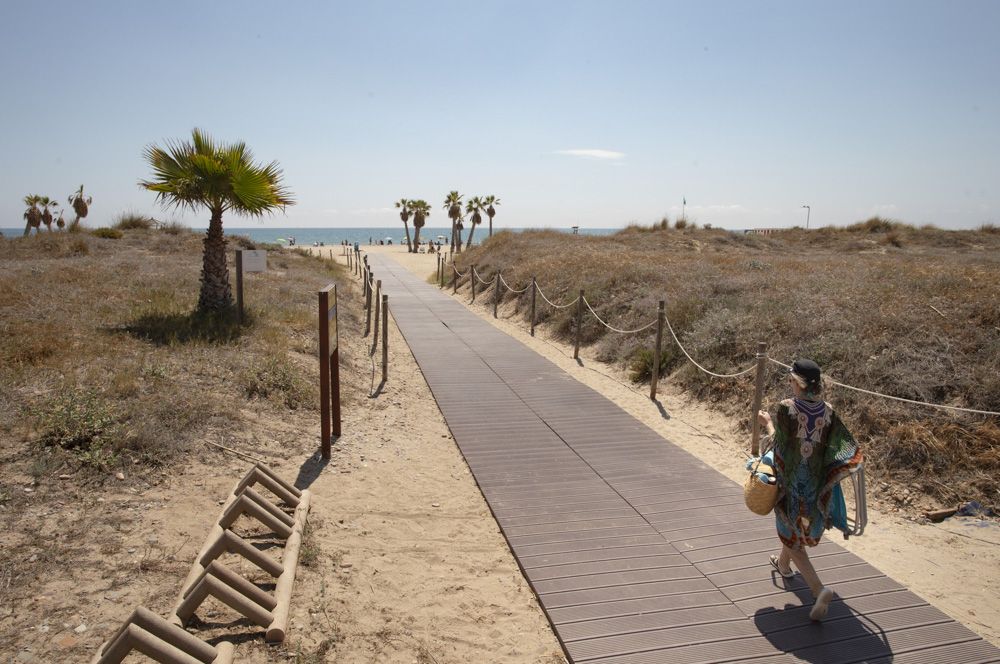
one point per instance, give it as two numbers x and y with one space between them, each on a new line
657 350
758 395
349 265
368 307
329 368
441 271
239 286
385 337
472 280
579 325
454 279
496 293
378 313
534 289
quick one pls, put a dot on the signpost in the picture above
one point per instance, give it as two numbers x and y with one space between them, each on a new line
329 367
247 261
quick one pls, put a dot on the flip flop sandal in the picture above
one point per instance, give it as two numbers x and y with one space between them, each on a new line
774 563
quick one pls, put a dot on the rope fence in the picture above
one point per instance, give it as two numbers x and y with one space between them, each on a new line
580 301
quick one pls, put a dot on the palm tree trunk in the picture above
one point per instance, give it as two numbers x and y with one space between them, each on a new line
27 228
409 247
416 235
215 291
453 231
491 225
472 230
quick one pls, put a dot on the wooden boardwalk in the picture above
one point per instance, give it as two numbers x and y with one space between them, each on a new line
640 553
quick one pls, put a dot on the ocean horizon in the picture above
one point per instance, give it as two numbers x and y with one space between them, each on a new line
361 234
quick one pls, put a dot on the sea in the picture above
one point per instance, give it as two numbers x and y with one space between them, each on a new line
361 235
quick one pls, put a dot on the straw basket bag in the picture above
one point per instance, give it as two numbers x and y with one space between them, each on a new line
760 496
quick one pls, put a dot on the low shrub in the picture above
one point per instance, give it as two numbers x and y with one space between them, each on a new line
278 380
82 422
128 221
108 233
681 223
174 228
642 364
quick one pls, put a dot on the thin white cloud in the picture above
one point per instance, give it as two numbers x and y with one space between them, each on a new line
593 153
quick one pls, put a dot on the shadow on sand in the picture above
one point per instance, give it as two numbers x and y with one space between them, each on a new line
310 470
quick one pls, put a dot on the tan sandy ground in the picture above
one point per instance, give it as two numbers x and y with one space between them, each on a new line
954 565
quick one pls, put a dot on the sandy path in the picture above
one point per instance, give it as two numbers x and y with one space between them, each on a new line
954 565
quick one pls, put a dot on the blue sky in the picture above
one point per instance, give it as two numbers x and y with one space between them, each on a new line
589 113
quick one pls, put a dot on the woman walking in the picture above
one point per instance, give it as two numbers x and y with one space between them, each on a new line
813 451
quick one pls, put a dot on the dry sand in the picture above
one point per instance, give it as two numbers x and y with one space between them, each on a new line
954 565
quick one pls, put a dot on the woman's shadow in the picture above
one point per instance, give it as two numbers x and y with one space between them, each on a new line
843 636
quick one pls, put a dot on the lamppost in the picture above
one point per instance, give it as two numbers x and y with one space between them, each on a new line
808 212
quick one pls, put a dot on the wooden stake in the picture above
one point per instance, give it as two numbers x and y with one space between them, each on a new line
579 325
385 338
758 395
657 350
496 293
534 289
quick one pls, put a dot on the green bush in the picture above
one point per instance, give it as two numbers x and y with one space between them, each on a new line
81 422
108 233
128 221
642 364
278 380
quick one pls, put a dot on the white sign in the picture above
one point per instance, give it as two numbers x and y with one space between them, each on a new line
254 261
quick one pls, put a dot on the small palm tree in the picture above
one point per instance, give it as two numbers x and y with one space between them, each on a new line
404 214
60 222
491 202
474 208
32 215
47 203
81 206
421 209
222 178
453 204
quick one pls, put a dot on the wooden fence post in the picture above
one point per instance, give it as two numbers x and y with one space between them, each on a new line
441 272
378 291
534 288
579 325
385 337
368 307
454 279
758 395
657 351
472 280
496 293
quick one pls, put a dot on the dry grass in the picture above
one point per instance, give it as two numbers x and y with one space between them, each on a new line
903 311
104 369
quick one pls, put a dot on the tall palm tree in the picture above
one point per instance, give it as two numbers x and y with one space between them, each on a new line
421 209
81 206
47 203
32 215
490 202
453 204
222 178
404 214
474 207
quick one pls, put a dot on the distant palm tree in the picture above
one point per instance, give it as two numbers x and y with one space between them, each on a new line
81 206
453 204
222 178
404 214
421 209
32 215
60 222
474 207
491 201
47 203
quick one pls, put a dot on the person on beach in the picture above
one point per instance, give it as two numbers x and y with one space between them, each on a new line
813 451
